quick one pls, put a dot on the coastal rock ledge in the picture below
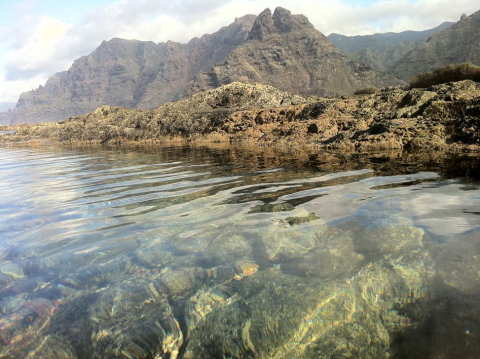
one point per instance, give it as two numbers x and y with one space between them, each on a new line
442 117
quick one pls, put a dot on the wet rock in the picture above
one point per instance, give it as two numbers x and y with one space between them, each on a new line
270 207
293 221
155 255
413 101
388 240
54 347
225 248
443 117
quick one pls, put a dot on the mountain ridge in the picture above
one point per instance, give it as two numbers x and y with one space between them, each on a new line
381 51
456 44
356 43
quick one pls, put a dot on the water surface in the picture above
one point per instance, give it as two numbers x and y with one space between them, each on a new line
200 253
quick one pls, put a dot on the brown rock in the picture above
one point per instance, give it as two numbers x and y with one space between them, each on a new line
442 117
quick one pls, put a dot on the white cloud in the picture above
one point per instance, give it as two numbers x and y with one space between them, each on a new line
35 52
11 90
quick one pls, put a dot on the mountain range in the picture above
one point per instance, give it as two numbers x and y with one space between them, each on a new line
382 51
279 49
459 43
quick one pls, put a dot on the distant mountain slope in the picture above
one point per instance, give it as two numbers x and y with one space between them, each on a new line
127 73
352 44
459 43
286 51
382 51
282 50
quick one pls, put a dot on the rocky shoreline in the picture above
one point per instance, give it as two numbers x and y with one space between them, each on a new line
443 117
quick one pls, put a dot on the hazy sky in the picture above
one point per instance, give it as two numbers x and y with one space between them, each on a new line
41 37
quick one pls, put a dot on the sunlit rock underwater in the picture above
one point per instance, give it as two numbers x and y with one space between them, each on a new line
180 252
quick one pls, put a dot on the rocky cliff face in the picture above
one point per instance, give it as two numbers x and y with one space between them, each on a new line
457 44
129 73
282 50
286 51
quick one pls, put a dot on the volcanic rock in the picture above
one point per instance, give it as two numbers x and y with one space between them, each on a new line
128 73
441 117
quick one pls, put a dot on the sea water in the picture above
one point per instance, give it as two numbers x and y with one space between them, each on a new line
188 252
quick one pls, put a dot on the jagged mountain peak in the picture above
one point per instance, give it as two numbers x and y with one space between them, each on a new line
262 27
284 21
281 21
246 19
286 51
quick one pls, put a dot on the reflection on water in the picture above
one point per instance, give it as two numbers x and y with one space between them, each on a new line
210 253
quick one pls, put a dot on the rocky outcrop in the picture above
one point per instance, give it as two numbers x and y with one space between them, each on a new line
382 51
282 50
457 44
286 51
443 117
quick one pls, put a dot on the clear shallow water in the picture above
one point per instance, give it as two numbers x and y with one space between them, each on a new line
192 253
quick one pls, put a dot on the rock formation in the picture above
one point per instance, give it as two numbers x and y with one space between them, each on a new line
286 51
444 117
457 44
282 50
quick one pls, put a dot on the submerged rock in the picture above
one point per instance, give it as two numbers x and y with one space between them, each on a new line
349 317
134 320
281 240
333 256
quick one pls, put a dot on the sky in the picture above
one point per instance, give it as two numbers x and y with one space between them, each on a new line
41 37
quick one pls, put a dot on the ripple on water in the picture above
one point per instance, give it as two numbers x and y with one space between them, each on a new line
191 254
